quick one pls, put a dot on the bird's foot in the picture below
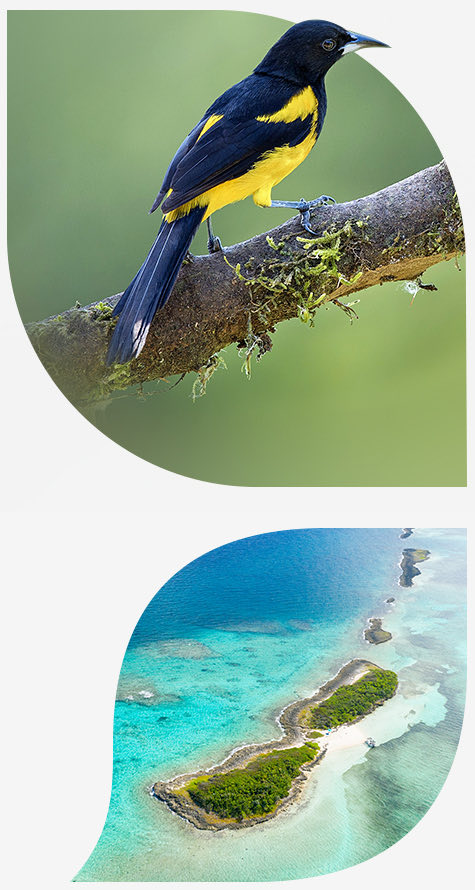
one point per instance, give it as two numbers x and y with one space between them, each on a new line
214 244
189 257
304 207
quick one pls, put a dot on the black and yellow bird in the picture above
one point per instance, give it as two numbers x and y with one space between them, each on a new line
249 139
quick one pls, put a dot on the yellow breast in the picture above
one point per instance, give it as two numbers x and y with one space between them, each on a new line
277 164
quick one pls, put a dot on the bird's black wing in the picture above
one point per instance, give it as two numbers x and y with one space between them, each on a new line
181 152
231 146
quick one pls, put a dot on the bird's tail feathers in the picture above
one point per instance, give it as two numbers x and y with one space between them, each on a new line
150 288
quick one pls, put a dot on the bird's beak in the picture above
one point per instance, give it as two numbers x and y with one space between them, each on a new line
359 41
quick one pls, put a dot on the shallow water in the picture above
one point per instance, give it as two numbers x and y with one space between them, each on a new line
240 633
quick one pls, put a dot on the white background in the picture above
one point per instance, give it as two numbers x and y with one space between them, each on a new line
81 560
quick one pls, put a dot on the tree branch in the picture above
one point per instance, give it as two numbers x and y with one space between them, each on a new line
239 296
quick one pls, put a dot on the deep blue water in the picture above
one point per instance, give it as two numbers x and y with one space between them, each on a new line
238 634
304 574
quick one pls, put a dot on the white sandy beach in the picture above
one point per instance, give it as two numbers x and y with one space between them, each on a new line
390 721
345 737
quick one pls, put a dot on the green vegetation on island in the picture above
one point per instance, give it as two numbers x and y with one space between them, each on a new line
255 789
256 782
350 702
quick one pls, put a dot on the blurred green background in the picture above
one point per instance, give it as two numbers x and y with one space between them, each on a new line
98 104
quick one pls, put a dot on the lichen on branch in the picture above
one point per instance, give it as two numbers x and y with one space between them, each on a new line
238 296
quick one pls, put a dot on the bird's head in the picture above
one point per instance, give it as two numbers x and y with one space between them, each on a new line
308 50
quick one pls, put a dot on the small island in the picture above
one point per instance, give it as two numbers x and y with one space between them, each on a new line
406 533
408 564
256 782
375 633
390 599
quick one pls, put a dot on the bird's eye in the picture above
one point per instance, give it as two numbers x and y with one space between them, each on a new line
329 44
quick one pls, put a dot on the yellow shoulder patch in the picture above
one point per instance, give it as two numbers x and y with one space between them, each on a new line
212 120
300 105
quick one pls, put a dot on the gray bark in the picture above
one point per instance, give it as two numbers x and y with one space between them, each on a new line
240 295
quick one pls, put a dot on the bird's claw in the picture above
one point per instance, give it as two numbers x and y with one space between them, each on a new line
323 199
214 244
304 208
305 220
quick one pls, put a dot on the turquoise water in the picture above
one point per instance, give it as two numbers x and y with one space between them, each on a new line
241 632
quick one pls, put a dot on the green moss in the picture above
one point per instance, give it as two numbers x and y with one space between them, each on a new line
101 309
280 246
205 374
302 277
447 238
327 251
118 377
257 344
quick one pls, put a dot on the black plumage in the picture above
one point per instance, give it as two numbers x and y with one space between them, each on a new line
252 136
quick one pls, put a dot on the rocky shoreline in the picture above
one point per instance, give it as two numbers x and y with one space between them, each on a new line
408 566
375 632
296 730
